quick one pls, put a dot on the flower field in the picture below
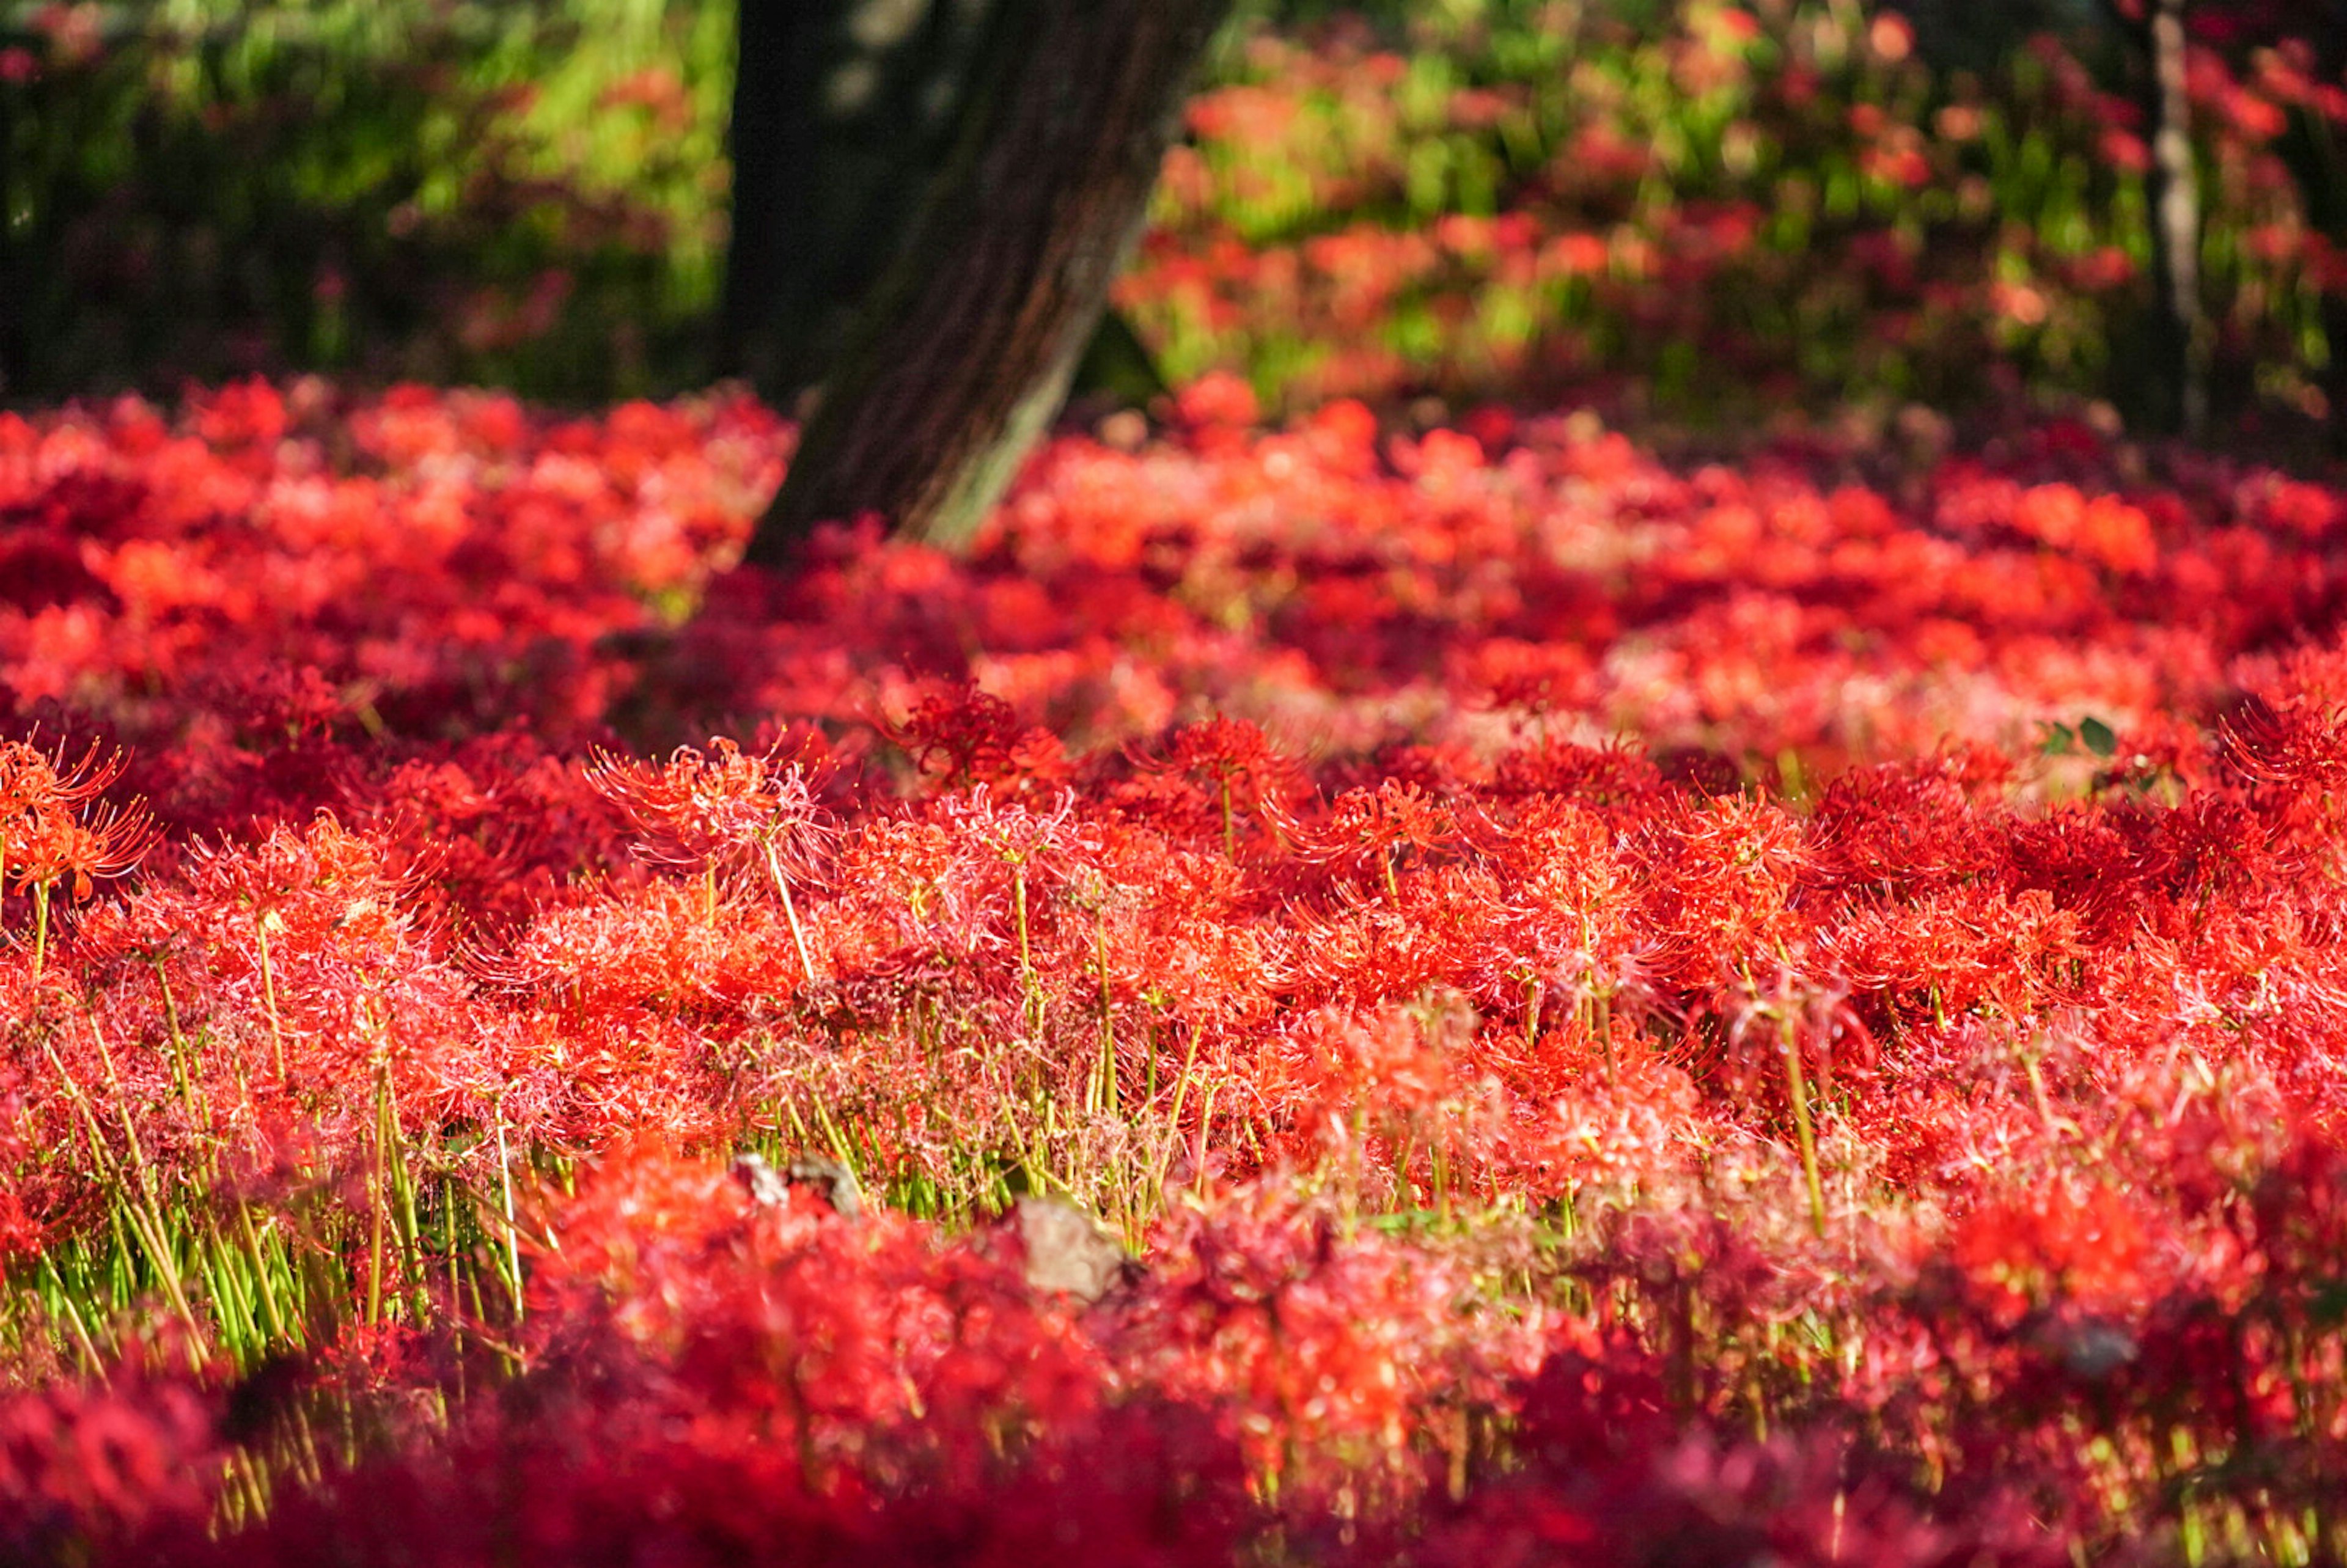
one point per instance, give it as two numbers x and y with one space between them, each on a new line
1327 995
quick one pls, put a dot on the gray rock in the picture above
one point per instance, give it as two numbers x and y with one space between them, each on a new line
1068 1250
771 1188
767 1188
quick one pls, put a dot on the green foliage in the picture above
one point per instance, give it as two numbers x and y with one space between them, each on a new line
2094 736
1724 208
524 193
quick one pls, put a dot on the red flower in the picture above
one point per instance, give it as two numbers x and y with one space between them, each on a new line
54 829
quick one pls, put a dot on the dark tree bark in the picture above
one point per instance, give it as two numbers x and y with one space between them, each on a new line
2317 156
14 338
843 112
2183 337
965 347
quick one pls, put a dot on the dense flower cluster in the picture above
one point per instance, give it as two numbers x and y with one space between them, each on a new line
1627 1010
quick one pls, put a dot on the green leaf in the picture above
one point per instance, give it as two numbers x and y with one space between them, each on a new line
2099 737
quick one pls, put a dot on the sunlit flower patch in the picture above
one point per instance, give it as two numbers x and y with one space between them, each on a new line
1479 995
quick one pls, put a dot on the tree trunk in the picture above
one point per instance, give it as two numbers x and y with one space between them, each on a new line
15 292
966 345
843 112
2182 328
2317 157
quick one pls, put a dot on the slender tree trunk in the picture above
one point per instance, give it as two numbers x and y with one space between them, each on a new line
2184 334
966 345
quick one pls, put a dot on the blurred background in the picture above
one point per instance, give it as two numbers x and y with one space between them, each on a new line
1685 209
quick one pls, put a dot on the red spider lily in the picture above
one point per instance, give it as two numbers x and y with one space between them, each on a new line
1334 1351
656 951
2302 744
56 830
1568 897
1001 846
1702 1500
1368 950
1237 765
1543 987
1725 879
1601 1115
971 736
723 809
86 1467
1946 953
1174 933
21 1232
2051 1245
1896 827
1399 1082
498 827
1618 781
288 972
727 813
1366 827
853 1347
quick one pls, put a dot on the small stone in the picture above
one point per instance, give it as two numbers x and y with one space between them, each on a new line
1070 1251
770 1188
2092 1348
833 1179
767 1188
